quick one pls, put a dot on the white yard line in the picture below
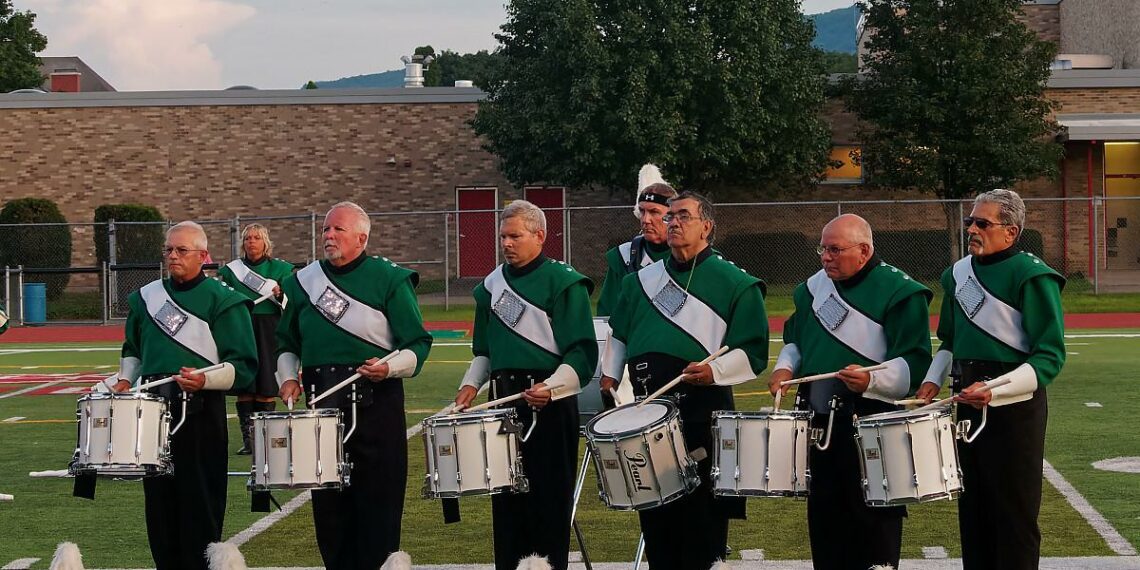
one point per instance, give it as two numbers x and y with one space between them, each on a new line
1115 541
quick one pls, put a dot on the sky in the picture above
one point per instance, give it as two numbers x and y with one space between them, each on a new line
156 45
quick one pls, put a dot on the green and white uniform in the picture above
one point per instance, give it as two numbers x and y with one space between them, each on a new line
620 262
254 280
336 319
1002 318
877 316
3 321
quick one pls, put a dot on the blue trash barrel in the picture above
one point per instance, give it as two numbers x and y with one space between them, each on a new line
35 302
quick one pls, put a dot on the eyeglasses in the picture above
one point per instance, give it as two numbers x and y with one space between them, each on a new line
834 250
982 223
683 217
178 251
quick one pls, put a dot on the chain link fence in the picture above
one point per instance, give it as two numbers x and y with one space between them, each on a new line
452 250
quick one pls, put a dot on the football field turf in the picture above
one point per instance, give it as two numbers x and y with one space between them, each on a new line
1093 415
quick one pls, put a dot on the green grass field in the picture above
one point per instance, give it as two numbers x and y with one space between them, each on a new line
111 533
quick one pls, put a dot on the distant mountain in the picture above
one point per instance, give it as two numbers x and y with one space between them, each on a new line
393 78
835 30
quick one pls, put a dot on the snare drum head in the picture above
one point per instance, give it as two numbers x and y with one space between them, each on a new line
298 414
630 418
901 416
472 417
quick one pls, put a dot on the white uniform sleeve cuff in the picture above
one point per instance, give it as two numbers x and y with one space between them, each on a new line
890 383
789 358
129 368
939 368
613 359
563 383
3 318
732 368
403 365
220 378
288 367
477 373
1022 386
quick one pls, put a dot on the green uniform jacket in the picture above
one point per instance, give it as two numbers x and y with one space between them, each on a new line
888 297
375 281
731 292
275 269
1025 283
617 267
564 295
227 313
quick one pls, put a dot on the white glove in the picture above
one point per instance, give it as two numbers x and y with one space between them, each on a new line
613 359
403 365
563 383
129 368
890 383
732 368
477 373
288 367
939 368
1023 383
220 378
789 358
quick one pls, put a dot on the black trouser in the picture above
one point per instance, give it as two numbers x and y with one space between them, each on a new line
690 532
265 383
185 511
1001 480
845 533
538 521
358 526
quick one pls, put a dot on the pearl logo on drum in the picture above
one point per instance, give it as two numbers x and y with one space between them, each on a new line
635 463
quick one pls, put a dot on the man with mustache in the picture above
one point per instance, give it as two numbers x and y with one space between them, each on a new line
653 195
175 326
1001 319
344 313
533 334
856 311
671 315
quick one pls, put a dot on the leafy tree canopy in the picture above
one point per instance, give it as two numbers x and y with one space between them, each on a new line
19 44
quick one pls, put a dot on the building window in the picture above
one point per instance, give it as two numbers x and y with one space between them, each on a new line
850 170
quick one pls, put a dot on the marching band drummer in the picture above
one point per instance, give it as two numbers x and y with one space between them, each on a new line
533 333
343 313
174 326
258 276
1001 319
856 311
671 315
652 202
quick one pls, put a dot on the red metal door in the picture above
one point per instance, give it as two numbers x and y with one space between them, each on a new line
477 234
551 199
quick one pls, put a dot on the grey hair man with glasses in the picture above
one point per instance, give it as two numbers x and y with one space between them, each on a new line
175 326
1001 320
856 312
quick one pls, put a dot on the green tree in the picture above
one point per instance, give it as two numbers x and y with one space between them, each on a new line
481 67
953 97
310 85
19 44
721 94
39 239
431 74
840 62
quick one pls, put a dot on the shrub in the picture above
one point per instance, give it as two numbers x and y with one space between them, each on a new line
41 243
134 243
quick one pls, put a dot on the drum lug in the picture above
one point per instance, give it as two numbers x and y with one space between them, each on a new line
961 429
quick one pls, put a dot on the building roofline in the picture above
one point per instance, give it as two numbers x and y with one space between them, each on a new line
242 97
1078 78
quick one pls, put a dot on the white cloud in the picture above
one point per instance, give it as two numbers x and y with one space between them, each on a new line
142 44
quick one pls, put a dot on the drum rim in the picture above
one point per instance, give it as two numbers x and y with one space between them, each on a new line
145 396
671 411
797 415
900 417
305 413
478 416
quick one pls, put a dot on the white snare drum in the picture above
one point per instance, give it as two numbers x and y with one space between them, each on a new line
908 457
473 453
640 456
762 454
299 449
122 435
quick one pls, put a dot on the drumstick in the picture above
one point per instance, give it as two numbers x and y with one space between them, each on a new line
349 380
289 403
493 403
170 379
910 402
264 297
681 376
816 377
986 388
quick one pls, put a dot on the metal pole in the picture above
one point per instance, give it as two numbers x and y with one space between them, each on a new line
447 262
235 246
566 234
7 290
106 295
113 257
20 288
312 236
1096 246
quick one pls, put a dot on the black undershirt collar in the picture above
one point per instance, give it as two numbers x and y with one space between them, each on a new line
348 267
862 273
656 247
696 260
998 256
526 269
263 259
188 285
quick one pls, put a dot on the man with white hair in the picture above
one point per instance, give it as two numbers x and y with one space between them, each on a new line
855 312
344 314
534 334
1001 319
175 326
652 202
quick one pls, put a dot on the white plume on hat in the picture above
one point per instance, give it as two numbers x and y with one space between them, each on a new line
67 557
534 562
398 560
224 556
646 177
